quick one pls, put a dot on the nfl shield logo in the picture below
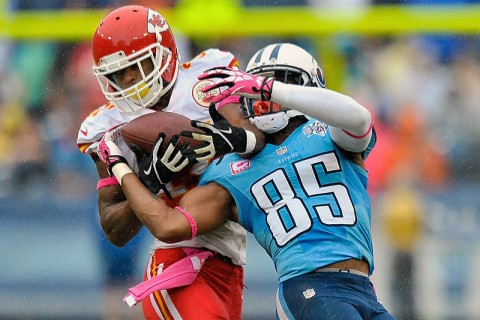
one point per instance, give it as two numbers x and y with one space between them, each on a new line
309 293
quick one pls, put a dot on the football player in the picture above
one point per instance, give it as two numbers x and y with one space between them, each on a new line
138 68
303 196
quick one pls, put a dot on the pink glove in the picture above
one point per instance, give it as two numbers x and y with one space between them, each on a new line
238 83
227 100
108 151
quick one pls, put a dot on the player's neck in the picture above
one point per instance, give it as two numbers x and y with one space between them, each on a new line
279 137
164 101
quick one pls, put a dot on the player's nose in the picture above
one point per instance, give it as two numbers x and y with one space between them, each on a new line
130 76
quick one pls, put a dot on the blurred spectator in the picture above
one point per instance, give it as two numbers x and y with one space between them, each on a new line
405 154
408 93
402 214
459 119
32 61
85 94
70 174
36 5
30 155
415 158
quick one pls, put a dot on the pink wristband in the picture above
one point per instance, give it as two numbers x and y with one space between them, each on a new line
193 225
105 182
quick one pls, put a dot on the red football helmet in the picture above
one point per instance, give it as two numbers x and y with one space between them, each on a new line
126 37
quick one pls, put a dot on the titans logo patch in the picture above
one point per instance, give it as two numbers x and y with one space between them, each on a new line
316 127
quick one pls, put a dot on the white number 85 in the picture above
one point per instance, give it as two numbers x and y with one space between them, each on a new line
287 215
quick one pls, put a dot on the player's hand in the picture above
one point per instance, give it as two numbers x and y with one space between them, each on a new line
219 138
157 169
237 83
108 151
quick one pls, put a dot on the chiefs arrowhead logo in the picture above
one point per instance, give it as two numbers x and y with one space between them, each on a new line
156 23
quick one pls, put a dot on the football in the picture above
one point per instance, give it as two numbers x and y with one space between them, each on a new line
143 131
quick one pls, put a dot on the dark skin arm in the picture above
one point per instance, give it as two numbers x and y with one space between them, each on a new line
210 206
118 221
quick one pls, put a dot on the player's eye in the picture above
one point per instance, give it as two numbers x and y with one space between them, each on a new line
112 77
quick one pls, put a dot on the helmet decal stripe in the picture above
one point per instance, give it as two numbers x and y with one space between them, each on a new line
274 54
259 55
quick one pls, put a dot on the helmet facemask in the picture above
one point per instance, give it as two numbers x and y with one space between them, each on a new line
289 64
146 92
268 116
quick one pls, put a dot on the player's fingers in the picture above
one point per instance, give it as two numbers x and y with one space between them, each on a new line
165 190
197 136
173 159
157 145
169 155
204 157
189 151
201 151
160 138
216 85
194 123
214 114
221 96
217 72
138 151
192 160
174 140
178 162
153 187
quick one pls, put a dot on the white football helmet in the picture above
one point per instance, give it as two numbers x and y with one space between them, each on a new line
125 38
287 63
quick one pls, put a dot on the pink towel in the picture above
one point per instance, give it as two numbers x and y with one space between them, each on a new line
180 273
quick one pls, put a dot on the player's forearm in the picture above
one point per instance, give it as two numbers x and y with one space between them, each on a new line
164 223
333 108
118 221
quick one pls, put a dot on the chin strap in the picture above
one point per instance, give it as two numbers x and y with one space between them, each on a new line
274 122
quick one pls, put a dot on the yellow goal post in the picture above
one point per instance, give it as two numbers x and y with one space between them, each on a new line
226 18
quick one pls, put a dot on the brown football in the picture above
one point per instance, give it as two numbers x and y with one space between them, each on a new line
143 131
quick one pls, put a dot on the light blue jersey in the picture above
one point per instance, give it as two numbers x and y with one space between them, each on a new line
304 201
